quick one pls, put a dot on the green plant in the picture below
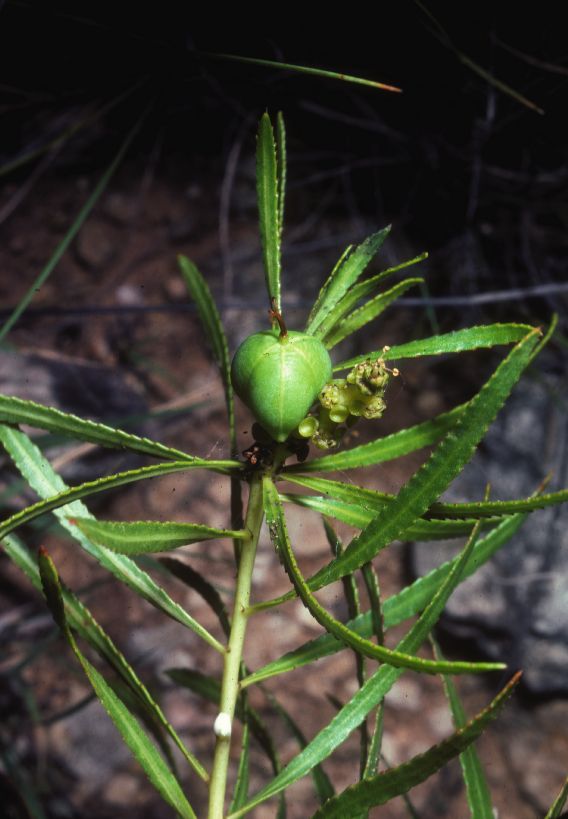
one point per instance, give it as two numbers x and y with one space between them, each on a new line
285 378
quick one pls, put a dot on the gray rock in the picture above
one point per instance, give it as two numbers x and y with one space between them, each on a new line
515 608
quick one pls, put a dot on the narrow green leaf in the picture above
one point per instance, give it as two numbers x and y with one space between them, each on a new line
433 478
406 603
368 312
344 275
477 790
324 288
458 341
213 327
373 501
282 165
360 291
74 229
145 537
279 535
558 804
141 747
384 449
358 516
40 475
19 411
306 69
367 697
268 207
85 490
242 783
396 781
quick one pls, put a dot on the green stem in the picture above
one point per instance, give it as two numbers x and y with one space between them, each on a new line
233 654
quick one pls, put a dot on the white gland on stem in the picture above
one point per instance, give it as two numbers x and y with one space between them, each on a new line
222 725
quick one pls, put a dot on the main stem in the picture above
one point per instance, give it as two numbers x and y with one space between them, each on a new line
234 652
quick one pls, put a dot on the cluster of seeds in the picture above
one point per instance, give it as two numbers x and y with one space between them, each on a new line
344 400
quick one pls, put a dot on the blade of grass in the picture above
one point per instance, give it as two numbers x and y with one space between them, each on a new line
75 227
304 69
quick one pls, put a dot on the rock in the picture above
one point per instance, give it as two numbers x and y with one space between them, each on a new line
515 608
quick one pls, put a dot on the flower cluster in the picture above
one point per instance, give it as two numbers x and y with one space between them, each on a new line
344 400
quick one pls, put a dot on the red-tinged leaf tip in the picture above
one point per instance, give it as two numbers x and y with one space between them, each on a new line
43 552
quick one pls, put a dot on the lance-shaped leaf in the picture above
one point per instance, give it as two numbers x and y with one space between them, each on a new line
367 697
368 312
360 517
85 490
282 166
142 537
358 292
407 603
344 275
213 327
385 786
372 500
130 729
279 535
19 411
82 621
434 477
476 788
384 449
458 341
268 206
40 475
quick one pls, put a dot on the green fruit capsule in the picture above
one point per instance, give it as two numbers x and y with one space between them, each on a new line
279 377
